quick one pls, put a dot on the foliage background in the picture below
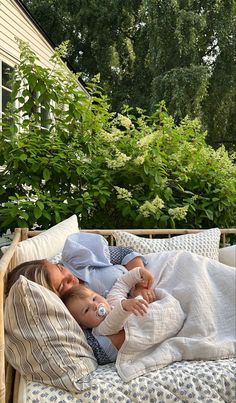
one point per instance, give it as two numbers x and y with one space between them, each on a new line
114 170
180 51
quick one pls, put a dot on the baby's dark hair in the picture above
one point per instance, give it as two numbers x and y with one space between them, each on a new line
77 291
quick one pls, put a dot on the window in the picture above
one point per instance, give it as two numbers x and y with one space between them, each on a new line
5 86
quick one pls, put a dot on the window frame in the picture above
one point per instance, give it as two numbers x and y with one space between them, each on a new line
3 87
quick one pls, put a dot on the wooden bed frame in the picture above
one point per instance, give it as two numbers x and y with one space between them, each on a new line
9 379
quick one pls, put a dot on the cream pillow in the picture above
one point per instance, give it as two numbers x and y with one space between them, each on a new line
205 243
43 341
47 244
227 255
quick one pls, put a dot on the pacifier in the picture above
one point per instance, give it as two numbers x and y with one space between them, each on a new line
101 310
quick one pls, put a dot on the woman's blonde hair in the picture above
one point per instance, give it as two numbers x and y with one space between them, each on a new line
34 270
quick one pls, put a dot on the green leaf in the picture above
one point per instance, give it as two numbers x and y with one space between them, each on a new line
79 209
23 157
32 80
28 105
22 223
37 212
7 221
57 216
79 170
164 218
46 214
21 100
209 214
146 169
24 215
126 211
40 205
13 129
46 174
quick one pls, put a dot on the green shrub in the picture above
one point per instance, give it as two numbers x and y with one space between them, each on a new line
112 170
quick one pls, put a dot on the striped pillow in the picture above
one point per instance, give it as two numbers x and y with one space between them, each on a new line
43 341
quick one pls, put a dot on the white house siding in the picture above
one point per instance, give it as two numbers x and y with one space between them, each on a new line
14 22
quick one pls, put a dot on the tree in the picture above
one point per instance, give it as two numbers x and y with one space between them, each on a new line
219 106
182 51
107 38
193 53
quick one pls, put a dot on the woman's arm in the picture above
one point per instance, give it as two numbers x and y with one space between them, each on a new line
135 262
117 339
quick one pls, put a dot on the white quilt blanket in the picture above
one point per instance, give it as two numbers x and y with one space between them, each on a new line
206 291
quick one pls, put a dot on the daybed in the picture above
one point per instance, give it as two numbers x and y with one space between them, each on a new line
185 381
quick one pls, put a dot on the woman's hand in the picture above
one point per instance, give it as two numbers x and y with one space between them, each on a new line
138 306
147 278
148 294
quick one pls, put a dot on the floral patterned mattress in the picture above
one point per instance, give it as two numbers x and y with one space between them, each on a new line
184 382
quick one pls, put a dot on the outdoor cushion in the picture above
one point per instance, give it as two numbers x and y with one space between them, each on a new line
47 244
43 341
205 243
227 255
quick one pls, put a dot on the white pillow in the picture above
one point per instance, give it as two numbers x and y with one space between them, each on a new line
205 243
47 244
43 341
228 255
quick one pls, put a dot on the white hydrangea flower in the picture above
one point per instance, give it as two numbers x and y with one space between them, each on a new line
152 207
145 141
116 133
126 122
113 136
146 209
119 161
158 202
139 160
123 193
178 213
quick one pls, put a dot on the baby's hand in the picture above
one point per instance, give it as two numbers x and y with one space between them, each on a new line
148 294
147 277
138 306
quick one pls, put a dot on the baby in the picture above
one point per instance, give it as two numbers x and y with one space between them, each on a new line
108 316
112 317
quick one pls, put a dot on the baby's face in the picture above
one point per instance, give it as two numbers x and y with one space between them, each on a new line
85 310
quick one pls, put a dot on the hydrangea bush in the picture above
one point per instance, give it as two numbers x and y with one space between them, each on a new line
114 170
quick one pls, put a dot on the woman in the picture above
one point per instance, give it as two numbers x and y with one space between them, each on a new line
86 258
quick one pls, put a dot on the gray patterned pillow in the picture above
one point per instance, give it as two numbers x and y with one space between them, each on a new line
43 341
205 243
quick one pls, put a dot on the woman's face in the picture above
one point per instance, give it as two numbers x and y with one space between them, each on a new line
61 278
